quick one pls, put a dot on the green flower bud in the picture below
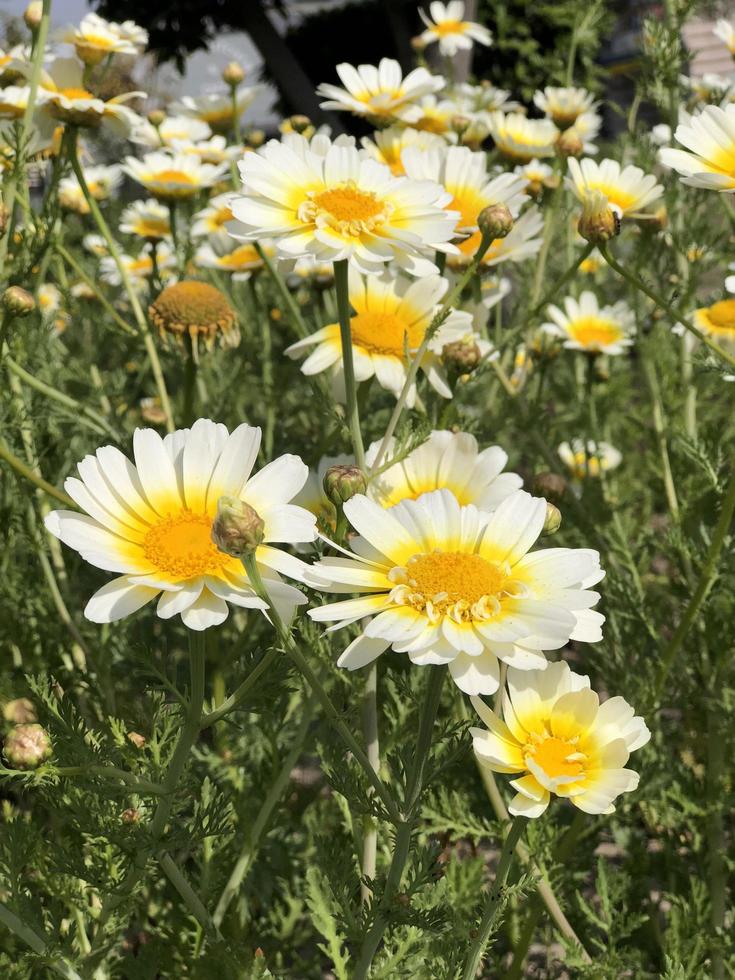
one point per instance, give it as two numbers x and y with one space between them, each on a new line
553 519
299 123
233 74
238 529
552 486
598 223
342 482
27 746
18 301
495 221
463 355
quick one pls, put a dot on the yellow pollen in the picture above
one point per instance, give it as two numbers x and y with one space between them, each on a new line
349 204
552 755
152 228
450 27
455 575
385 333
173 177
76 93
720 317
181 547
592 331
243 257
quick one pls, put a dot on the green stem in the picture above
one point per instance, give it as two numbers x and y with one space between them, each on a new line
136 785
372 743
659 428
25 471
561 281
266 348
716 845
133 299
190 383
706 581
241 692
666 307
294 652
298 324
188 895
17 926
341 279
91 284
476 954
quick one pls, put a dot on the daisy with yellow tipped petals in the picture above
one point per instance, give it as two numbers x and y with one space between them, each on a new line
150 522
381 91
627 189
95 38
709 138
391 317
173 177
455 585
585 325
447 26
387 145
559 739
521 139
589 459
718 320
147 219
63 95
333 202
564 105
447 460
217 110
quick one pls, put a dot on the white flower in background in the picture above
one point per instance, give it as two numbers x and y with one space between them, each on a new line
332 201
564 105
139 267
435 116
538 175
589 459
183 129
95 38
587 128
151 523
48 297
463 175
446 25
521 139
172 177
387 145
13 101
446 461
708 87
212 219
381 91
240 261
146 219
485 98
212 150
312 495
216 110
454 585
724 30
559 739
391 315
101 182
585 325
63 95
710 136
521 243
14 64
627 189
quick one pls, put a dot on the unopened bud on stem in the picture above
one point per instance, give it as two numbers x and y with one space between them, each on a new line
33 14
18 301
495 221
238 529
233 74
299 123
598 223
464 355
27 746
569 144
553 519
156 117
343 481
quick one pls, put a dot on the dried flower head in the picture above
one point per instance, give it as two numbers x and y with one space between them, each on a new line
197 310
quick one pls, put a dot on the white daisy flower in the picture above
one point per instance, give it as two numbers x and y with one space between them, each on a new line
212 150
436 116
446 461
454 585
559 739
139 267
146 219
48 297
585 325
212 219
485 98
151 523
564 105
95 38
717 321
332 201
627 189
63 95
215 109
724 30
523 242
173 177
173 129
239 261
391 315
446 25
101 181
589 459
710 138
521 139
387 145
380 92
587 127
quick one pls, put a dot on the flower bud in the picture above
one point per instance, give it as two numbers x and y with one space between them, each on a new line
464 355
495 221
27 746
459 124
299 123
33 14
598 223
18 301
552 486
156 117
343 481
136 739
255 138
21 711
233 74
418 43
569 144
238 529
553 519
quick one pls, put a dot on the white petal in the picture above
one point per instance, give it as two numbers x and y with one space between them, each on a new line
116 600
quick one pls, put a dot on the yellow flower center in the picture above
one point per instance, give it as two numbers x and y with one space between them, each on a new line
173 177
584 465
720 318
450 27
8 109
76 93
243 257
194 308
595 332
181 547
455 576
349 204
432 124
141 266
220 217
152 227
557 757
385 333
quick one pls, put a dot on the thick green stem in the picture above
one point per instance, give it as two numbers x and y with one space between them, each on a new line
27 473
341 279
17 926
476 954
284 292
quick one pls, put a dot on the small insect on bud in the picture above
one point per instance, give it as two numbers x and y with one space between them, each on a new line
33 14
552 486
27 746
495 221
598 223
136 739
299 123
20 711
238 529
553 519
464 355
569 144
343 481
130 816
18 301
233 74
156 117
